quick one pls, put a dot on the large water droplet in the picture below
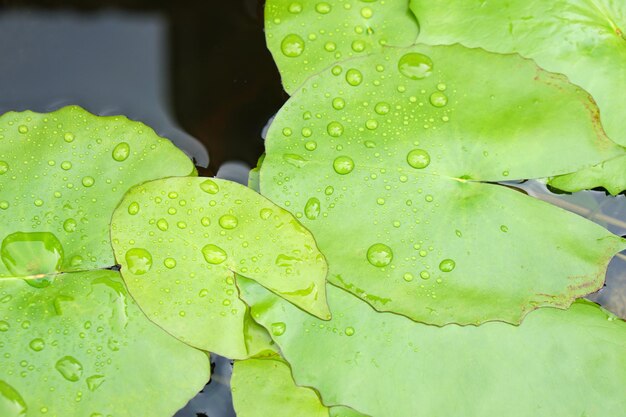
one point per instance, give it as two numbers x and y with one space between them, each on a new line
33 253
354 77
70 225
339 103
379 255
447 265
228 221
278 329
415 66
121 151
438 99
133 208
139 260
334 129
11 402
37 344
418 158
210 187
70 368
88 181
312 208
343 165
292 46
213 254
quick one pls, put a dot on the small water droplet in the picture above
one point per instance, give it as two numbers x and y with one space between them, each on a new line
70 368
312 208
287 131
133 208
415 66
349 331
339 103
22 129
121 151
94 382
205 221
139 261
37 344
66 165
408 277
310 146
438 99
163 225
292 45
4 167
210 187
265 213
279 328
69 137
4 326
379 255
295 8
418 158
335 129
70 225
169 263
343 165
424 275
228 221
329 190
358 46
11 402
323 8
88 181
382 108
330 46
504 228
213 254
354 77
447 265
295 160
336 70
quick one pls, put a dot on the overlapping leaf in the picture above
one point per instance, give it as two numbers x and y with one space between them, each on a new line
583 39
72 339
305 37
181 240
384 173
556 364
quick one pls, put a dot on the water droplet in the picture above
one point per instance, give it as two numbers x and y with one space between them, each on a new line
343 165
66 165
306 132
70 368
205 221
292 45
329 190
228 222
339 103
38 202
181 225
438 99
354 77
379 255
429 198
213 254
265 213
424 275
349 331
418 158
210 187
415 66
287 131
37 344
139 260
447 265
121 151
169 263
336 70
69 137
133 208
88 181
22 129
330 46
163 225
358 46
70 225
323 8
32 253
11 402
295 160
505 173
335 129
504 228
4 167
408 277
295 8
94 382
278 329
371 124
312 208
4 326
310 146
382 108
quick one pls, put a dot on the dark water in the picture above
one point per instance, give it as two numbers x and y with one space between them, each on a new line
198 72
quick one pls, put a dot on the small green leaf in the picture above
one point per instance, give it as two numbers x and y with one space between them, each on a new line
179 253
583 39
305 37
557 363
388 183
61 176
81 346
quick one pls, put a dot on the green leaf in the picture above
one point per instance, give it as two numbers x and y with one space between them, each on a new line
181 247
557 364
385 175
306 37
61 176
264 387
610 174
81 346
582 39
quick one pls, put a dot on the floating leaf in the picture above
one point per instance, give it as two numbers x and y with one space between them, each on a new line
72 347
180 250
306 37
387 183
264 387
557 363
61 176
579 38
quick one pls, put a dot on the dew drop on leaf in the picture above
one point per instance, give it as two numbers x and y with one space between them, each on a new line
121 151
354 77
133 208
295 8
88 181
265 213
379 255
139 260
312 208
292 46
343 165
70 225
438 99
338 104
37 344
278 329
323 8
408 277
70 368
170 263
69 137
22 129
162 224
424 275
228 221
334 129
418 158
213 254
415 66
447 265
210 187
310 146
94 382
4 326
349 331
31 253
4 167
382 108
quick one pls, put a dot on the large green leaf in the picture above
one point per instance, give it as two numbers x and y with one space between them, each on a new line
306 37
82 347
583 39
385 175
556 364
264 387
74 340
61 176
181 240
